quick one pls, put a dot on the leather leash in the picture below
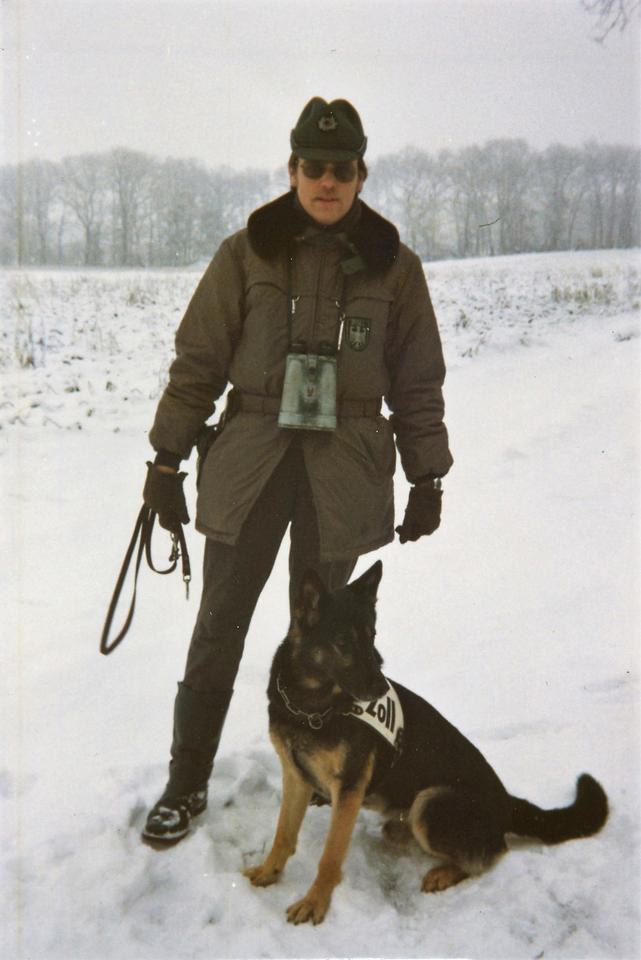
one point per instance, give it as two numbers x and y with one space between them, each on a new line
141 537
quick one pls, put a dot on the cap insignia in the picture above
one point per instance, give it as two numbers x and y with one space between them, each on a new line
327 123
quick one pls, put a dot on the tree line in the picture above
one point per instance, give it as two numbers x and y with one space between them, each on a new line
124 208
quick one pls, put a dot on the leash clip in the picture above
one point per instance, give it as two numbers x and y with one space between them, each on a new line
174 557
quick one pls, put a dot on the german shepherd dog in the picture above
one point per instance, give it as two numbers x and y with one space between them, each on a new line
434 785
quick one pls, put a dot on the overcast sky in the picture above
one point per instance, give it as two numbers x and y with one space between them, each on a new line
225 81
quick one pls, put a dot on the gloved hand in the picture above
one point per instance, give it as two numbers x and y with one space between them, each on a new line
423 511
163 492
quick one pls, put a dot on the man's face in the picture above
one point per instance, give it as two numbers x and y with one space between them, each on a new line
323 189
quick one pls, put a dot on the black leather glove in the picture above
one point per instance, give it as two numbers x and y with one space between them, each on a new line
163 492
423 511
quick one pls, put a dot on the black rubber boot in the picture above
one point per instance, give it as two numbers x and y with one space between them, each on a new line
198 724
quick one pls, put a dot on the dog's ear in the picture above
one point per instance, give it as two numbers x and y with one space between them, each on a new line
367 583
310 593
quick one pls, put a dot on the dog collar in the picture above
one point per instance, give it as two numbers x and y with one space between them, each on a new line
384 715
315 720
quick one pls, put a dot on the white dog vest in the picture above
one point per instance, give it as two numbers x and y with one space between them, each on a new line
384 715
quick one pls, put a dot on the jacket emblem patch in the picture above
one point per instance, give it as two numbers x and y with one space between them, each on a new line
358 329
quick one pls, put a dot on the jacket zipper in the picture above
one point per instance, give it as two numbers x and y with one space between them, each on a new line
317 298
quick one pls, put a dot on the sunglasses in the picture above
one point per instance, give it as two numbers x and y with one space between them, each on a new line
344 172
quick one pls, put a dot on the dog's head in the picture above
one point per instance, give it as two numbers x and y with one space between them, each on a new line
333 633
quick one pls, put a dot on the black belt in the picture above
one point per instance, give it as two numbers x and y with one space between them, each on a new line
253 403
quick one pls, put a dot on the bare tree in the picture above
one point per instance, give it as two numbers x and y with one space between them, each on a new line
215 208
40 194
509 170
611 15
561 188
472 202
230 197
412 187
85 194
247 189
629 227
176 194
10 220
28 206
612 186
130 174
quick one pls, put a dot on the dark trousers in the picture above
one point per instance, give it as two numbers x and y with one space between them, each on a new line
234 576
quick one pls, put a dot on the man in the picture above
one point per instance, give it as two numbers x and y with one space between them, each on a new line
313 313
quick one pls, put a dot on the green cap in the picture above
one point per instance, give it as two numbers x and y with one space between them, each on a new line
328 131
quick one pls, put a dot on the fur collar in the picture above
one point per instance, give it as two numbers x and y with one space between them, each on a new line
270 229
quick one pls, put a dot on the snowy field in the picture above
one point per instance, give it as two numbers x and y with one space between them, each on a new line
519 620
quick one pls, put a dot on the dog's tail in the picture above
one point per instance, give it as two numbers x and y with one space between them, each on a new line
584 817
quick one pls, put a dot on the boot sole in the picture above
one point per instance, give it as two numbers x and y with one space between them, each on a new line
157 843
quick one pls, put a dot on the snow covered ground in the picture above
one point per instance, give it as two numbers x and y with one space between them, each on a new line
519 620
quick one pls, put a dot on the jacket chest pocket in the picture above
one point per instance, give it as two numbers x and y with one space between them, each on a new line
259 356
265 320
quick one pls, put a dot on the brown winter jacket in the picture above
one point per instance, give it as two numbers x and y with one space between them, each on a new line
235 331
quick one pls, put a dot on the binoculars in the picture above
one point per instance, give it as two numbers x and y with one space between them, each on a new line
308 401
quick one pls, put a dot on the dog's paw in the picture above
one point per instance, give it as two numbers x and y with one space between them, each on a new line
312 907
263 875
440 878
